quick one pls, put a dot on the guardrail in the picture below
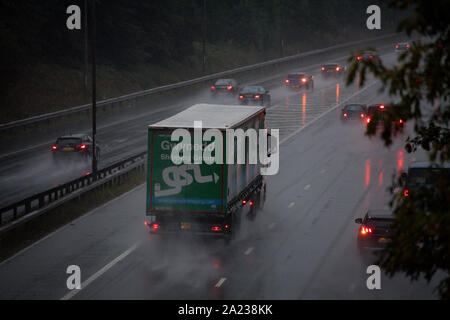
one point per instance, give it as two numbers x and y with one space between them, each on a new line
23 210
140 94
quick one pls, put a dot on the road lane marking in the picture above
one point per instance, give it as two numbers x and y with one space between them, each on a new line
307 186
248 251
96 275
220 282
291 204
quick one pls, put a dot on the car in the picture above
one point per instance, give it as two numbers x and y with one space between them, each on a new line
401 47
424 174
377 112
354 111
375 229
366 55
74 147
223 87
332 69
299 80
254 95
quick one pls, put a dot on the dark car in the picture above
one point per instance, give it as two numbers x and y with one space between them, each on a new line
354 111
254 95
401 47
332 69
299 80
424 174
225 87
366 55
74 147
378 112
375 230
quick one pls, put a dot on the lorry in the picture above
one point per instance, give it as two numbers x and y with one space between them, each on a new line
201 198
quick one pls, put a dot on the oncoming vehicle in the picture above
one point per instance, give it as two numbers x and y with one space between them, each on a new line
377 112
424 174
254 95
332 69
375 230
354 111
224 87
401 47
299 80
74 147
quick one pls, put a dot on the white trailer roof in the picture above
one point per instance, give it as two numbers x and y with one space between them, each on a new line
212 116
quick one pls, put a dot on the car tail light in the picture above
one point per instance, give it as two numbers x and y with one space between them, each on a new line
323 68
303 79
368 120
241 97
406 193
226 226
362 115
382 107
146 223
371 57
366 230
215 228
337 68
250 203
396 46
82 147
400 121
244 201
257 96
54 147
345 114
358 57
229 87
213 88
287 80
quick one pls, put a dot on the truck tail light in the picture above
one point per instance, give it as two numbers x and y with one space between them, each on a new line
406 193
366 230
216 228
154 226
368 120
257 96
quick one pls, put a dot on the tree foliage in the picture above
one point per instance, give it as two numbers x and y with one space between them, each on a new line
420 86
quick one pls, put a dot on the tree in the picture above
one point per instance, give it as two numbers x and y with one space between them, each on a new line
421 231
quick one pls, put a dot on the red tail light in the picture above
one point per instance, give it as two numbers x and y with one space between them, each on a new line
406 193
244 201
257 96
382 107
358 57
215 228
155 226
368 120
345 114
371 57
229 87
366 230
54 147
287 81
303 79
146 223
213 88
396 46
400 121
82 147
250 203
226 226
362 115
241 97
323 68
337 68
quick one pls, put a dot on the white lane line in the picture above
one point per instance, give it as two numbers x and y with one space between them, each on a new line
96 275
307 186
248 251
291 204
220 282
272 225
